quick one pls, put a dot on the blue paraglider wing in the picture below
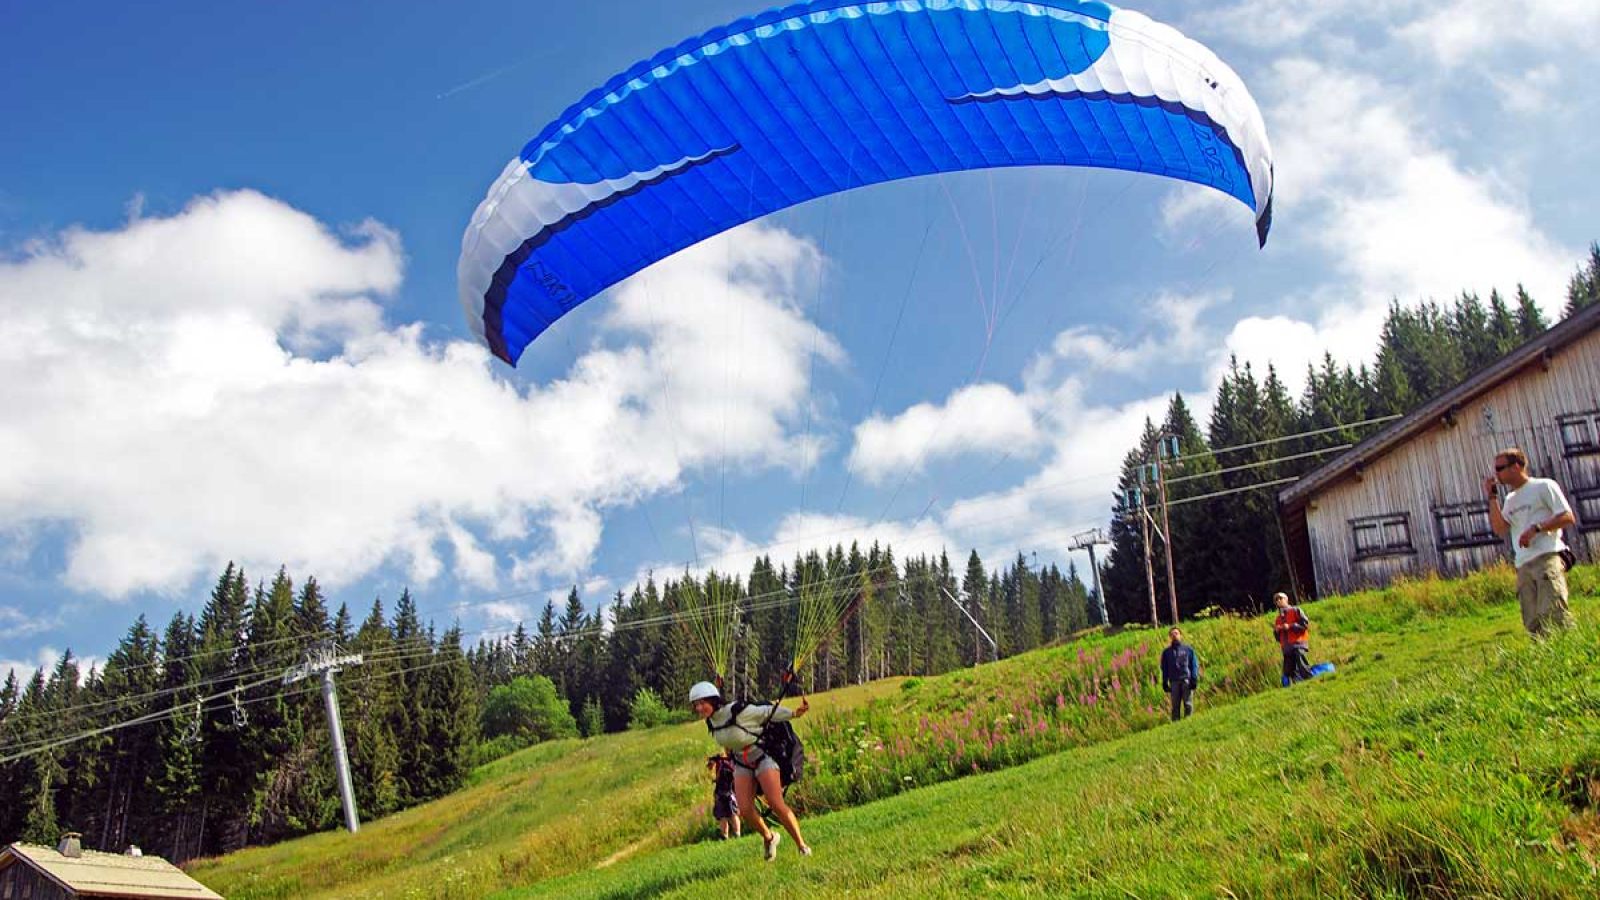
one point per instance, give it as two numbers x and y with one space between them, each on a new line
825 96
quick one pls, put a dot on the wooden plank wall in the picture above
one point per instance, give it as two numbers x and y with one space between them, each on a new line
19 881
1448 463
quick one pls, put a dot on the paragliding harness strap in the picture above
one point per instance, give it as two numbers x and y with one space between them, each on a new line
775 739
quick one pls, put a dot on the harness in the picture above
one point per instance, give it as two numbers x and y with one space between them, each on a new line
776 742
742 757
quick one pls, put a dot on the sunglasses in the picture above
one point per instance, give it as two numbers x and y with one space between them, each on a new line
1504 466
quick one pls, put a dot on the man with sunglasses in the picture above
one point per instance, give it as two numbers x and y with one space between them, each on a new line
1532 515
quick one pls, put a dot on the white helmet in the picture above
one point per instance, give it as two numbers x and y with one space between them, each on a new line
703 690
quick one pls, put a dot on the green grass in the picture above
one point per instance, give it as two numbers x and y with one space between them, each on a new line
1451 756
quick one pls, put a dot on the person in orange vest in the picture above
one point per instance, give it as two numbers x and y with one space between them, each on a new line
1291 629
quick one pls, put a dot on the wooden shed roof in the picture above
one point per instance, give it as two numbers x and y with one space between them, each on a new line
1434 411
109 874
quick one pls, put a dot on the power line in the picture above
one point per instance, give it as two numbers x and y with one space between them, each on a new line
1237 490
1257 465
276 662
1290 437
199 705
150 717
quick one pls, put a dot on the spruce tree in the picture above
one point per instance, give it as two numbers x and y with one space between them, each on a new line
449 716
370 704
1584 288
1530 320
975 599
179 780
1502 324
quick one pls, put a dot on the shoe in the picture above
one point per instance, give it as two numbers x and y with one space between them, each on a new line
806 850
770 846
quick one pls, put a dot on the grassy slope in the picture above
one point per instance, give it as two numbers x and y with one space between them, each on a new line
1449 757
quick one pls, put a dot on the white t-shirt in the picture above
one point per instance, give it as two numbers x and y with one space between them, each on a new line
1537 501
736 737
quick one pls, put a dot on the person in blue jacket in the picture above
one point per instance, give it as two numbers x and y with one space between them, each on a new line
1180 672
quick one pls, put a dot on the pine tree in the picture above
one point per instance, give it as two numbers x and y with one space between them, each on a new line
1584 288
414 647
1530 321
573 622
546 656
11 735
40 775
1028 627
449 714
593 720
270 733
179 781
341 626
975 600
130 685
370 705
311 612
1471 331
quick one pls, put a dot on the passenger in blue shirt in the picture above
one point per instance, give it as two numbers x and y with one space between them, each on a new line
1180 672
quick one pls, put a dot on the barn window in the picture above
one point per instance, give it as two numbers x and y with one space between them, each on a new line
1384 535
1586 503
1580 433
1464 525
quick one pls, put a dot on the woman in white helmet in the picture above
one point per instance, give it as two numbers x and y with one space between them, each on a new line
737 735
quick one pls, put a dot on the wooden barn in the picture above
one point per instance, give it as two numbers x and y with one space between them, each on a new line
1410 499
29 872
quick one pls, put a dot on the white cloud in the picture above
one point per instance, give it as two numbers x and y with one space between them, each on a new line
220 384
1529 92
1276 23
17 624
982 418
1072 491
1465 32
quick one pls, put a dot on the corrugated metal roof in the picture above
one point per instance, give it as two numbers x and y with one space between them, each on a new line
110 874
1430 414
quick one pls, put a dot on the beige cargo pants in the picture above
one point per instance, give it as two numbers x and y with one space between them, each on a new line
1542 592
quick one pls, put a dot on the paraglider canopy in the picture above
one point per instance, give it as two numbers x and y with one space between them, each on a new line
820 97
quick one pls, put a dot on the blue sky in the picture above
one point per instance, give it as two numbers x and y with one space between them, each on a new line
228 238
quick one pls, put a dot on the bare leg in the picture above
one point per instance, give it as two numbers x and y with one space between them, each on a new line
772 789
745 790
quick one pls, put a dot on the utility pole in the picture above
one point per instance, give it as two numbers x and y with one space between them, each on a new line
978 656
1136 498
323 660
1086 540
1167 449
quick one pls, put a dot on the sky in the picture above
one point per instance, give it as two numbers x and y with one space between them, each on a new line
229 328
